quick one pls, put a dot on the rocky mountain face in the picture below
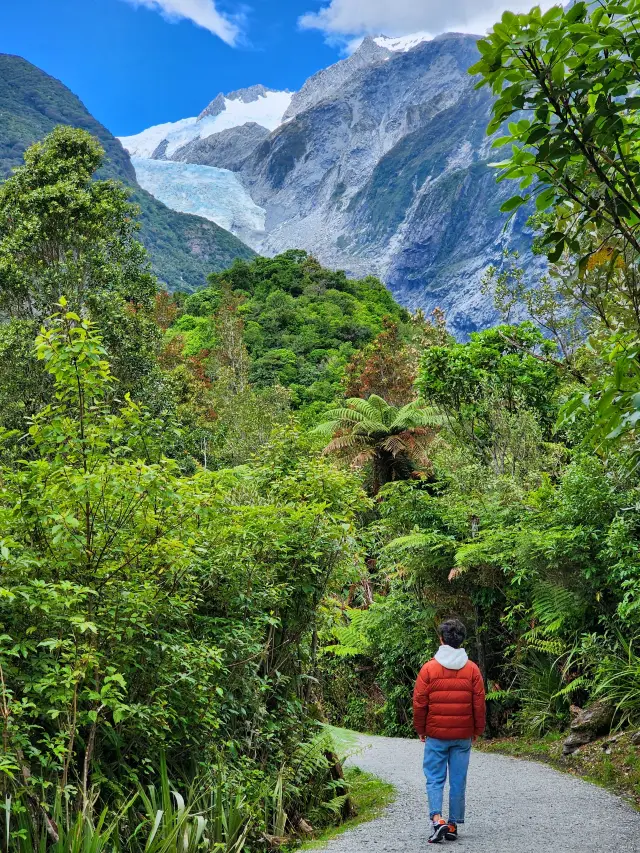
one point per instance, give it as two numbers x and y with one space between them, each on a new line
228 149
183 249
380 164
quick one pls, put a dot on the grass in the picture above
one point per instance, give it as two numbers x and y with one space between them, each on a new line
611 762
370 797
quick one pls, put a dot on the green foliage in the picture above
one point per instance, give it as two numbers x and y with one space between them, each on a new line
497 368
394 440
98 574
543 694
567 81
61 232
301 322
158 819
534 555
143 610
618 680
185 574
396 635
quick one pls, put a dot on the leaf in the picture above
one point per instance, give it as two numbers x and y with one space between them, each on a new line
545 199
513 203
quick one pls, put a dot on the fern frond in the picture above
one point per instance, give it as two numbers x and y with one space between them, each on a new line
372 409
553 605
569 689
380 409
412 415
344 414
336 805
411 542
501 695
553 647
395 445
363 457
343 442
326 429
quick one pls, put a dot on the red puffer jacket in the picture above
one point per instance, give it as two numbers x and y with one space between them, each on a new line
449 704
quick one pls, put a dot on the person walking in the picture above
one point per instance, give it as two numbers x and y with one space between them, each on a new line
449 714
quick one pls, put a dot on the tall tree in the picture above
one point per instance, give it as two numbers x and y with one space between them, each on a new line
64 233
569 82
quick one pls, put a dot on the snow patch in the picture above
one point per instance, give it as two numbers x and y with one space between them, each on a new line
403 43
266 110
216 194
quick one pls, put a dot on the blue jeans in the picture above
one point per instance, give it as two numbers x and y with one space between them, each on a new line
440 755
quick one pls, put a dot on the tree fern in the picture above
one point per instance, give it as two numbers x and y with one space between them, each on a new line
352 638
394 440
414 415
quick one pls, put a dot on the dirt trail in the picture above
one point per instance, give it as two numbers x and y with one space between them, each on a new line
513 806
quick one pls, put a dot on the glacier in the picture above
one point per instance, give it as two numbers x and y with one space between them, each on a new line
207 191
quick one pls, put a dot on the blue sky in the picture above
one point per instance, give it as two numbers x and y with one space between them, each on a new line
136 63
134 68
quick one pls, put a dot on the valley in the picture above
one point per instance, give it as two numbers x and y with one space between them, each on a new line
378 165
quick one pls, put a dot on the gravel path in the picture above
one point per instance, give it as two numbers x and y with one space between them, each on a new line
513 806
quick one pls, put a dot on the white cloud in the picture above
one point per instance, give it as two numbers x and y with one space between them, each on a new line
349 18
201 12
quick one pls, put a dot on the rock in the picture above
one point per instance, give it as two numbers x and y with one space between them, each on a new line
227 149
635 739
575 741
596 719
587 724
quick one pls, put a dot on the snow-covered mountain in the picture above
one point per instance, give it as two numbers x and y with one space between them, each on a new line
403 43
256 104
379 164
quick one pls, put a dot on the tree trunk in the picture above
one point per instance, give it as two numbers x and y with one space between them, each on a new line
482 649
337 775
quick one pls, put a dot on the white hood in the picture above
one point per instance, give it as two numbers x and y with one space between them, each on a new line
451 658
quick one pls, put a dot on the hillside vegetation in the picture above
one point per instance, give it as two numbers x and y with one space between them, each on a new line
301 323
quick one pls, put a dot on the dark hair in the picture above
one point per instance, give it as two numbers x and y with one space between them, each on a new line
453 633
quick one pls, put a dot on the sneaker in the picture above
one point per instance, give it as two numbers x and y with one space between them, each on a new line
452 831
438 832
